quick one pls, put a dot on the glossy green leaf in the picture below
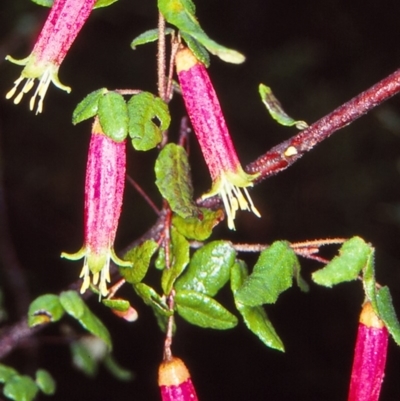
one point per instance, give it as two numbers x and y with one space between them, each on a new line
353 257
179 255
151 298
148 118
44 309
181 13
197 49
6 372
44 3
45 382
20 388
387 313
255 317
116 370
76 307
174 181
88 107
140 257
275 109
271 275
209 269
113 116
148 37
159 263
204 311
83 360
199 227
120 305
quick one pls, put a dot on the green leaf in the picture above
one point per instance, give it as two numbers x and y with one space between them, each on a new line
88 107
74 306
254 317
20 388
197 49
113 116
199 227
6 372
148 37
120 305
271 275
151 298
143 109
83 360
116 370
275 109
44 309
204 311
98 4
179 255
353 257
45 382
140 257
209 269
369 283
387 313
173 180
44 3
181 13
159 263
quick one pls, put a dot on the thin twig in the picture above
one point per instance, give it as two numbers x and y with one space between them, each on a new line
143 194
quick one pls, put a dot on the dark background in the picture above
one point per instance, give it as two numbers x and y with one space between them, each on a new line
315 56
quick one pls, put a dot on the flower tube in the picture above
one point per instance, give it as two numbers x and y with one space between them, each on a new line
369 357
228 178
104 187
175 382
62 26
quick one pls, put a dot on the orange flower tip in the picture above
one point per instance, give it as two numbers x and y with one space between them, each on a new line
185 60
369 318
234 194
172 372
45 75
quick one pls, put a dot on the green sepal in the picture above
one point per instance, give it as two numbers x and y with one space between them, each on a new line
143 109
173 180
147 37
88 107
151 298
387 313
209 269
198 227
353 257
44 309
45 382
272 274
6 372
179 255
369 282
116 370
98 4
197 49
120 305
140 257
255 317
20 388
76 307
113 116
204 311
275 110
159 263
181 13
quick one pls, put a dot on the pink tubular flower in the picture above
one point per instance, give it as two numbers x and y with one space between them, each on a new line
369 357
104 187
175 382
63 24
204 110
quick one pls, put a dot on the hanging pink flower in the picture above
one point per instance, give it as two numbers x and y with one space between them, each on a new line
62 26
104 187
175 382
369 357
228 178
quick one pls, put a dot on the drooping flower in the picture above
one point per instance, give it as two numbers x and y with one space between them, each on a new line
369 357
104 187
175 382
62 26
228 177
